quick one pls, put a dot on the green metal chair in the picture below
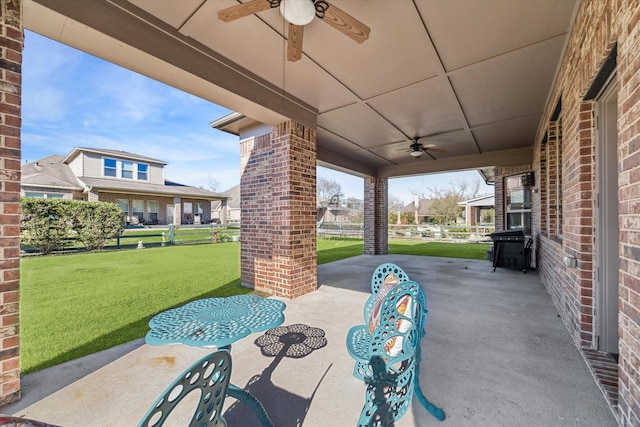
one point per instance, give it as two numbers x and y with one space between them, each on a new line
210 375
388 354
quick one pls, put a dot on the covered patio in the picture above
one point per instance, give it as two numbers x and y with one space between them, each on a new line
541 95
496 353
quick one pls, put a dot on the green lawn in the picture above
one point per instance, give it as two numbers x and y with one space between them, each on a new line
440 249
74 305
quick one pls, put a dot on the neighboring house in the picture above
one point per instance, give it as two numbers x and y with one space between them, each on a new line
476 207
421 209
232 204
136 183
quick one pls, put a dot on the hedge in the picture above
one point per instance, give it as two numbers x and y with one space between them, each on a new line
47 224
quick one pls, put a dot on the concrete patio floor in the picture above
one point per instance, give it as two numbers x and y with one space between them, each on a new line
495 354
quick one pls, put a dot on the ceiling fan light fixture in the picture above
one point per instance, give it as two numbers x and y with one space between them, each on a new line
416 153
297 12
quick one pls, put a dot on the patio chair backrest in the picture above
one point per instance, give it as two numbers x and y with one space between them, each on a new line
210 375
382 271
378 278
400 323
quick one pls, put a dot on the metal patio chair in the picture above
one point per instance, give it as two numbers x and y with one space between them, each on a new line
388 355
210 375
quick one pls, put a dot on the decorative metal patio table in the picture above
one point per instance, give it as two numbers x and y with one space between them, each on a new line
217 323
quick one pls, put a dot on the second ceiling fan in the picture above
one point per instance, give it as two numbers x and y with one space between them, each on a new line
299 13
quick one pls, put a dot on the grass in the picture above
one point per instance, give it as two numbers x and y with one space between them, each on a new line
79 304
76 305
439 249
330 250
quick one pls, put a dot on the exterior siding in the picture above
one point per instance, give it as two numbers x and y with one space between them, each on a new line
76 166
92 164
93 167
599 25
156 174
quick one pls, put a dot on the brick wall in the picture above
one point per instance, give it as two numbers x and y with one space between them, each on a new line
278 211
375 216
11 42
599 25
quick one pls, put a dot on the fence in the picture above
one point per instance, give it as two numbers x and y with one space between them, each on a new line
175 235
404 231
160 235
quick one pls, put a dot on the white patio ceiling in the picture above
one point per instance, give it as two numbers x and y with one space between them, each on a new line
471 77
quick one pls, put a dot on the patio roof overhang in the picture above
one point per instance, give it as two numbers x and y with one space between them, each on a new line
471 77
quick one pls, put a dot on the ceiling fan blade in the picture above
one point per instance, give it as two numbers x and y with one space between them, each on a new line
434 150
245 9
294 45
346 24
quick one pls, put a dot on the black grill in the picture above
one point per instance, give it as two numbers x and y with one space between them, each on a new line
509 250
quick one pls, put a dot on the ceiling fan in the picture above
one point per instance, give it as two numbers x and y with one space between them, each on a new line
416 149
299 13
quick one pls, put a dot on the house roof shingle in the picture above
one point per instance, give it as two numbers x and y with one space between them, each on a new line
49 172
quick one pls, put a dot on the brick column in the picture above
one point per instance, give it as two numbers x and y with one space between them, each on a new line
376 218
278 211
11 42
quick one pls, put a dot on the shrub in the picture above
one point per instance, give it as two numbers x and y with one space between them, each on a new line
44 223
95 223
47 224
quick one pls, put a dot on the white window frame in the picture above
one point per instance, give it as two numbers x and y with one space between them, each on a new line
134 170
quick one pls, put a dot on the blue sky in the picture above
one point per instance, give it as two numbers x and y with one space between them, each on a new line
72 99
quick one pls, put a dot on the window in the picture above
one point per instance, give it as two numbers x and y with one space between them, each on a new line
127 170
152 207
518 203
199 210
110 167
44 195
138 209
188 212
143 172
124 205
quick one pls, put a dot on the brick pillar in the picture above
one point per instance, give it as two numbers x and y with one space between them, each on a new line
376 218
278 211
11 42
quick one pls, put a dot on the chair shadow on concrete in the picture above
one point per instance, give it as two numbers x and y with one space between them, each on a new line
283 407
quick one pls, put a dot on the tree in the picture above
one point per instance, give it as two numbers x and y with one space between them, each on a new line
212 185
445 206
327 188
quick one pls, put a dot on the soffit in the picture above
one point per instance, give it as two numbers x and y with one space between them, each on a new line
470 76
